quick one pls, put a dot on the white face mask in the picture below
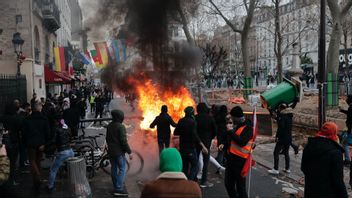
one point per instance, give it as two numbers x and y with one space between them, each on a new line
229 125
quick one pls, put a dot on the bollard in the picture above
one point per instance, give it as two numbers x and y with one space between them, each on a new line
78 183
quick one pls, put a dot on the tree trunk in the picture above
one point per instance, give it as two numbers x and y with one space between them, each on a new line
334 47
245 55
278 41
185 25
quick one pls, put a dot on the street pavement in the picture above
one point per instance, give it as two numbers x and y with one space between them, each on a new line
262 185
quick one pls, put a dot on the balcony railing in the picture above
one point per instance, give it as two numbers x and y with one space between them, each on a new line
51 14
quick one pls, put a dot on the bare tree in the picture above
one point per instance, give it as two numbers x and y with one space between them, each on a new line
212 58
250 6
281 47
338 13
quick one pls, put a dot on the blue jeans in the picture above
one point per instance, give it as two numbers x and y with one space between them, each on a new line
189 157
60 157
118 171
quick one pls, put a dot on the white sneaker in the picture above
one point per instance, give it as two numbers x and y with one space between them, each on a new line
287 170
273 171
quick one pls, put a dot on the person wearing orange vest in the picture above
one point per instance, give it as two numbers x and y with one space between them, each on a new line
238 146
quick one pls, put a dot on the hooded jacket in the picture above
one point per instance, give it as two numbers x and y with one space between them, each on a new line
36 130
187 130
116 135
163 122
206 126
284 126
322 165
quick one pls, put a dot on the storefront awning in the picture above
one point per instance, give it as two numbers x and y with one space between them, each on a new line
55 77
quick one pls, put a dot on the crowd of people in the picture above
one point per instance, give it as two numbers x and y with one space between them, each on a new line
45 126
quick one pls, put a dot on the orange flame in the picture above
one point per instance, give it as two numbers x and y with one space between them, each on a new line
151 97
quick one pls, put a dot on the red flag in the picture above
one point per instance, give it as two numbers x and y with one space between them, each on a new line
249 161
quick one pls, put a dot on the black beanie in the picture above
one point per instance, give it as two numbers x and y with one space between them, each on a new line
237 112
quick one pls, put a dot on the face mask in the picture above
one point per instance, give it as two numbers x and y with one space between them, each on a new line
229 125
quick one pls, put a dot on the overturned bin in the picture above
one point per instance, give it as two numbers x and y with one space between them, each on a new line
285 92
78 183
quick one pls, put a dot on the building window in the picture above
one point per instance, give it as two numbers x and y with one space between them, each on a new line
40 83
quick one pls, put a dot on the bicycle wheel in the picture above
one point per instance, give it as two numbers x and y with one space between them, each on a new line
136 165
106 165
86 151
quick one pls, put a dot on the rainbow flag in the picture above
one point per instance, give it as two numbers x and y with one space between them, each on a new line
60 62
102 51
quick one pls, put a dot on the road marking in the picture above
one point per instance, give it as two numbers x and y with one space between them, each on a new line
287 186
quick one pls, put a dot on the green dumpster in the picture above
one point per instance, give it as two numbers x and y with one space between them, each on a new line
286 92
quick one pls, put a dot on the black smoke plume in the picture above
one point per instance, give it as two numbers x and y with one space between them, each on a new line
147 26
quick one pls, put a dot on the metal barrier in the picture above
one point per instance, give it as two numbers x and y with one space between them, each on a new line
78 182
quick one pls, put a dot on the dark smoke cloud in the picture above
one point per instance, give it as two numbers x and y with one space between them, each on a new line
101 15
146 26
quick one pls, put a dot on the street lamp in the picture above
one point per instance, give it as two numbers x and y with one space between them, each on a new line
17 42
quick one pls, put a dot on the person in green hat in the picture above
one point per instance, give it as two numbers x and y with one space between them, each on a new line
171 182
189 140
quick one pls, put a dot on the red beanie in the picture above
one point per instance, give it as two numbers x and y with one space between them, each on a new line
328 130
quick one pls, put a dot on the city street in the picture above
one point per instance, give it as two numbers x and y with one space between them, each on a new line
262 184
241 80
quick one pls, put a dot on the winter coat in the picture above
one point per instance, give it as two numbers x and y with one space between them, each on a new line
206 128
322 165
284 126
163 122
220 120
99 103
116 137
62 138
171 184
187 130
72 116
241 140
35 131
4 169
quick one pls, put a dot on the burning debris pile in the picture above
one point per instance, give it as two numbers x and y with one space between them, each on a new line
157 72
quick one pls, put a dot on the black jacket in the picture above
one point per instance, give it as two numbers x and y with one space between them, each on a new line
62 138
220 120
322 165
72 116
187 130
284 126
163 122
99 103
206 128
235 162
35 131
116 137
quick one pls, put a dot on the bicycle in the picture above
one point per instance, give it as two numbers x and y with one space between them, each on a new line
96 157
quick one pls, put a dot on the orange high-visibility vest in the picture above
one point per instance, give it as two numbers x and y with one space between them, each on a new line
243 151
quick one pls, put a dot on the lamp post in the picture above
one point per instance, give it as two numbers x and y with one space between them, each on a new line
322 65
17 42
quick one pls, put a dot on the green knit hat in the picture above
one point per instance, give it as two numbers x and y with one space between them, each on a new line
170 160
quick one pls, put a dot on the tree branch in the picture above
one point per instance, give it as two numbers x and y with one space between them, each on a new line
228 22
345 9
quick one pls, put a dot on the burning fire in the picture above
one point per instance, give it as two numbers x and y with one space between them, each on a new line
151 97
